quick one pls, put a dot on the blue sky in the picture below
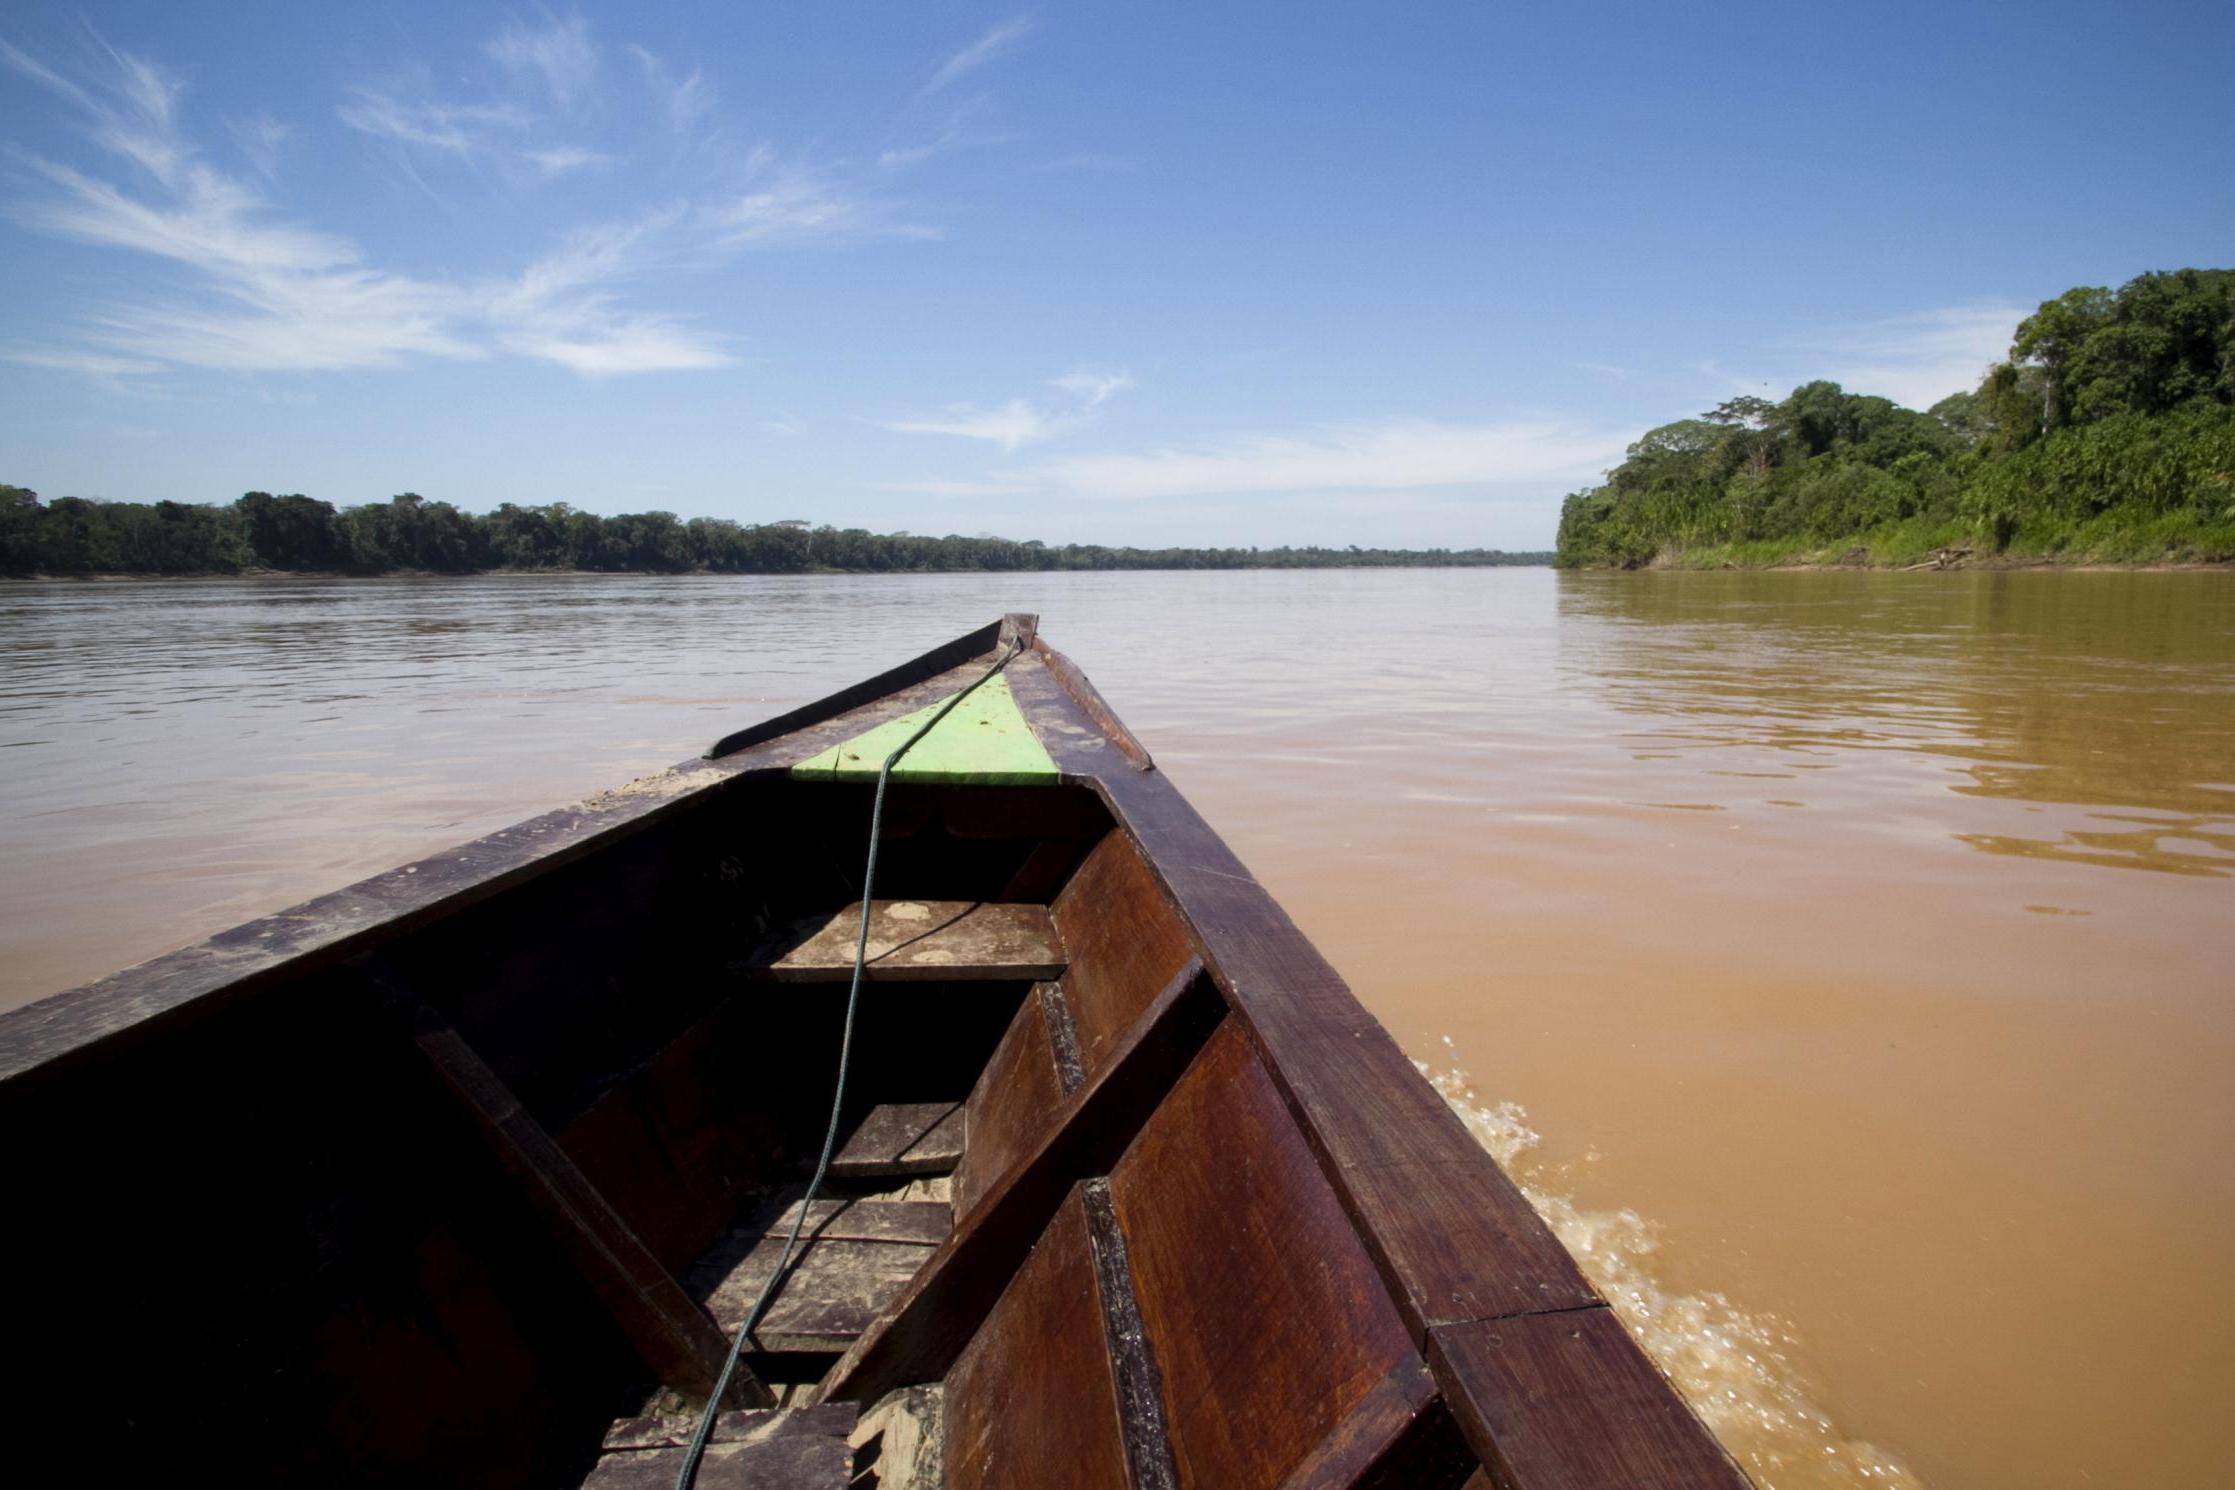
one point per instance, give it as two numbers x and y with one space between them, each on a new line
1129 273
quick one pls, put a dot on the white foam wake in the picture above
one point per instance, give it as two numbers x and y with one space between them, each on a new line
1731 1364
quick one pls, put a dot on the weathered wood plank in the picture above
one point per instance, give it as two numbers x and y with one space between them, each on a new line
1568 1402
926 1223
672 1335
1010 1105
788 1461
832 1292
1266 1317
902 1138
1123 942
921 940
1032 1401
940 1310
831 1420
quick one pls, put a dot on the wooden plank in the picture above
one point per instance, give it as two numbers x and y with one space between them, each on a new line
914 671
979 738
1089 701
832 1292
1010 1106
1123 941
1032 1401
1568 1402
672 1335
1453 1237
788 1461
926 1223
832 1420
940 1310
902 1138
919 940
1267 1318
1400 1437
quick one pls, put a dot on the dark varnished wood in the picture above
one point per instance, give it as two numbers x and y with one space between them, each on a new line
675 1338
1399 1437
1568 1402
939 1311
1123 942
943 941
938 660
1031 1401
1267 1318
1011 1104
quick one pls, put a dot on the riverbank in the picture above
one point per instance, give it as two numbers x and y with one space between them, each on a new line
2177 541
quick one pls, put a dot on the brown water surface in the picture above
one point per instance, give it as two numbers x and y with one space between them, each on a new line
1859 945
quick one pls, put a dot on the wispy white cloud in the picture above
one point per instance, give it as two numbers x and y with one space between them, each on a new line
1093 385
272 295
561 309
259 139
1010 425
791 202
458 128
1022 421
980 52
684 100
72 359
558 53
560 159
1371 456
1916 359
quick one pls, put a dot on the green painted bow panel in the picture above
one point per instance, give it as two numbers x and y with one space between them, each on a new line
985 740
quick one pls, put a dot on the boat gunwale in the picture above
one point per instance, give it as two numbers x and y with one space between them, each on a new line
52 1034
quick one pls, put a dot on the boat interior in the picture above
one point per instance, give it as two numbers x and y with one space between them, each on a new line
471 1173
376 1225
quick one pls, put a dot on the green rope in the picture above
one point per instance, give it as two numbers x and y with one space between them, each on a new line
688 1474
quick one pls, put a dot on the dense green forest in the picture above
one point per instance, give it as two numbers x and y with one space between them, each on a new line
2108 435
72 535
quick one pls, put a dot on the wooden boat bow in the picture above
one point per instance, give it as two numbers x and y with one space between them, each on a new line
1138 1194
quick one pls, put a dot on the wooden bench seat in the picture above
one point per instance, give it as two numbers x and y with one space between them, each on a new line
917 940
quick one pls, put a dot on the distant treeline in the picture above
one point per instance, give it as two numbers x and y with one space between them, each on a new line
2109 434
72 535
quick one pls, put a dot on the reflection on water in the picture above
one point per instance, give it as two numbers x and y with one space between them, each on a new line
2063 693
1859 944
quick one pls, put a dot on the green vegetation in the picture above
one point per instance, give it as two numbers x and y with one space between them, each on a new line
260 531
2108 436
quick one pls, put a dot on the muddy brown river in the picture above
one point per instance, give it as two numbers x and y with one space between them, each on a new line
1844 962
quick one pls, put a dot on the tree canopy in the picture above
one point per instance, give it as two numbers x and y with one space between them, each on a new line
72 535
2109 431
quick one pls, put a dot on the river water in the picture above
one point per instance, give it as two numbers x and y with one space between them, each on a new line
1845 962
